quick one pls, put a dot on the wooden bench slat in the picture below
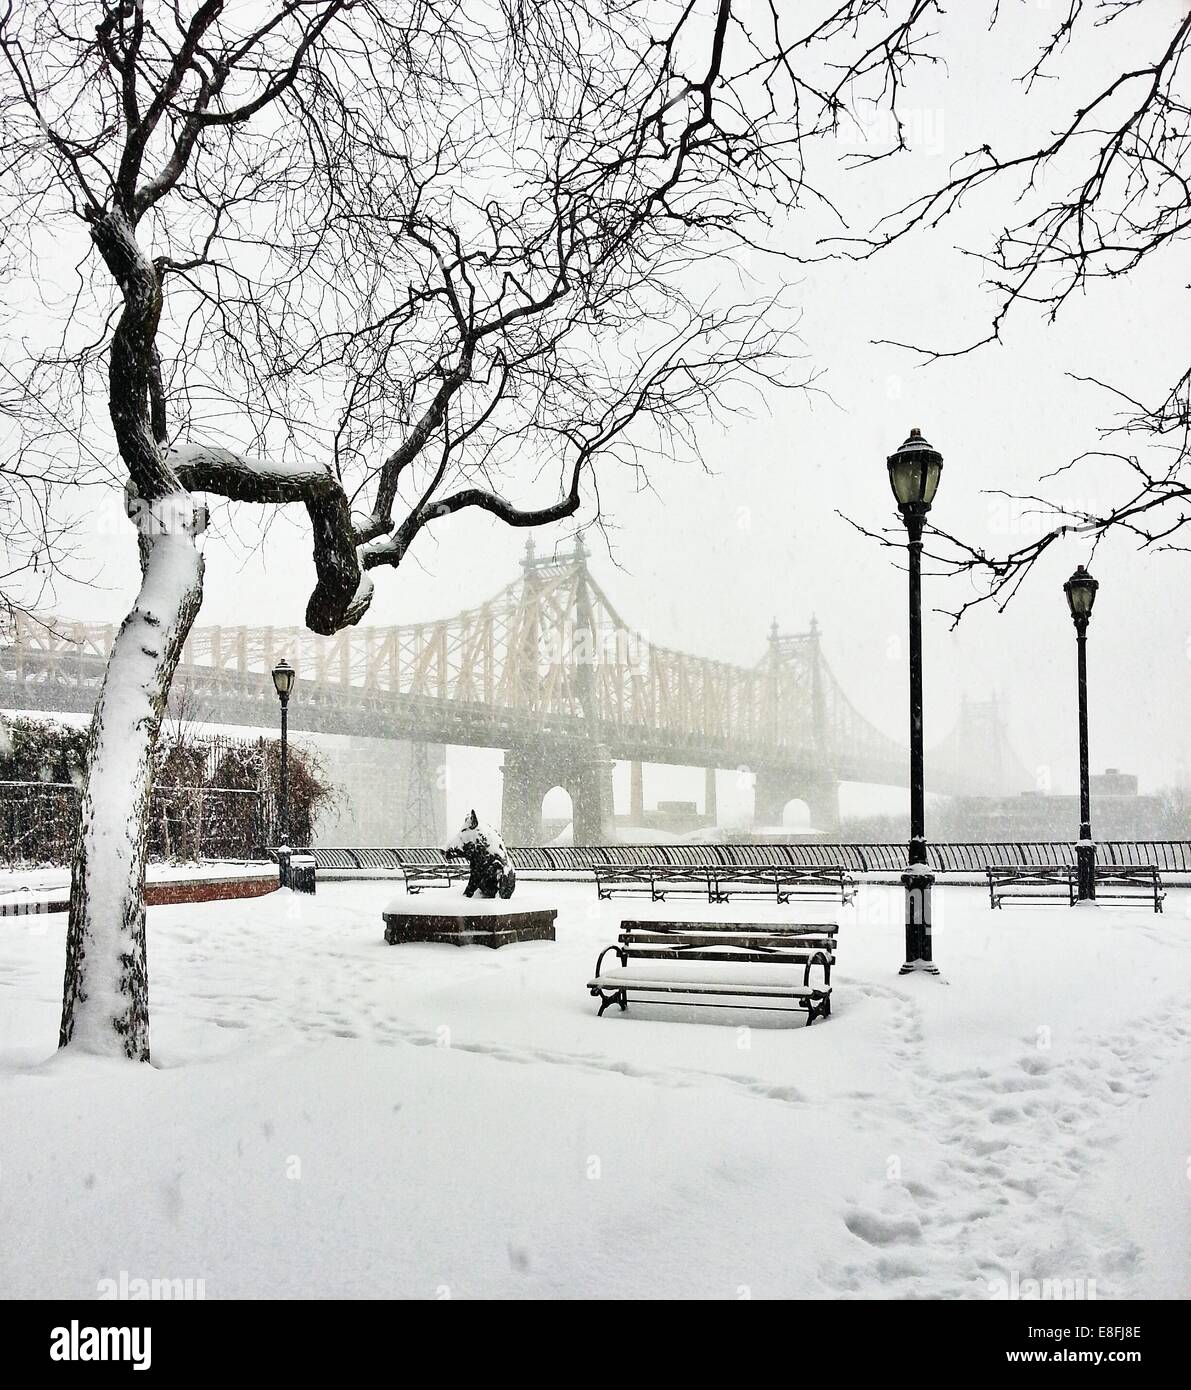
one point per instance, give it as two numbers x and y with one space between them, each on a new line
728 930
741 957
707 987
791 942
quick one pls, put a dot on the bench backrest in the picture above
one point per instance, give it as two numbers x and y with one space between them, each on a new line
1029 873
421 858
616 873
769 943
721 873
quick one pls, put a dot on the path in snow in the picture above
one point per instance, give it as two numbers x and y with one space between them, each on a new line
1008 1154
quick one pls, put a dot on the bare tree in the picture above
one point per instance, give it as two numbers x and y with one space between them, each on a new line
37 533
391 262
1121 165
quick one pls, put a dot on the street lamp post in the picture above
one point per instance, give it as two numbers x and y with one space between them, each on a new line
284 676
914 472
1081 595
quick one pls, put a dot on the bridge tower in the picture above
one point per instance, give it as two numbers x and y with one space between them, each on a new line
976 758
582 767
795 684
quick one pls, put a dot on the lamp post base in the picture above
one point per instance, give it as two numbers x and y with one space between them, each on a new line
918 882
925 967
1085 871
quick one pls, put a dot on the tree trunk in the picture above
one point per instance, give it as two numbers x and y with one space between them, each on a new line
105 999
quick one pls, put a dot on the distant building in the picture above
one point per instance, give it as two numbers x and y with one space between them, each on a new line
1119 812
1111 782
669 817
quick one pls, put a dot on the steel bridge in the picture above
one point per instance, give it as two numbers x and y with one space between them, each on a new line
549 672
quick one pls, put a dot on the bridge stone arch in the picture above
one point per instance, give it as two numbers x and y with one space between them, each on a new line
530 772
776 787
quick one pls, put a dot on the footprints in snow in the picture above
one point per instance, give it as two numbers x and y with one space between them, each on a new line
1003 1138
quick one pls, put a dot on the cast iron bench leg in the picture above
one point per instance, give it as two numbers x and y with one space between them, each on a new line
618 997
814 1010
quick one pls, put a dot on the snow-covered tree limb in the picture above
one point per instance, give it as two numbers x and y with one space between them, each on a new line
395 263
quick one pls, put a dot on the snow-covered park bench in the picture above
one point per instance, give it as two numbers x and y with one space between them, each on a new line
722 882
653 881
823 881
419 868
1127 883
1028 883
1139 883
736 963
419 876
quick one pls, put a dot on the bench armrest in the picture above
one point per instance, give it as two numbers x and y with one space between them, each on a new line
819 958
600 960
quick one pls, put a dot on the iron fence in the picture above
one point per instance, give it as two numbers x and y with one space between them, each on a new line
39 822
1171 856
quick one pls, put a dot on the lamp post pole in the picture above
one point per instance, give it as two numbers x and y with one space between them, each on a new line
914 472
1081 595
915 519
1085 851
284 676
283 807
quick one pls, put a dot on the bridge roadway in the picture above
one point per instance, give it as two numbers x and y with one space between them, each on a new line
71 684
549 672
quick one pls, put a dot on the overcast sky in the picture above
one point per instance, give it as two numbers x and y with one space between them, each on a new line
706 561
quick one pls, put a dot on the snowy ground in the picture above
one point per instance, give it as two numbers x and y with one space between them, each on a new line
329 1115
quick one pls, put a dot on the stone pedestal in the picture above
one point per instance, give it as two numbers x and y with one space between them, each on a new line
467 928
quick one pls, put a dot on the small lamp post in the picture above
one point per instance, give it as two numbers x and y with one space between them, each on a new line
1081 595
284 676
914 472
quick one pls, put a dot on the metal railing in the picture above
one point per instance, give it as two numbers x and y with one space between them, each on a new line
1170 856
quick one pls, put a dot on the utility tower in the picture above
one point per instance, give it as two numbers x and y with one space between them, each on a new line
420 826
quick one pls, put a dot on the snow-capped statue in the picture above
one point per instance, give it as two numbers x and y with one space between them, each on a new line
492 875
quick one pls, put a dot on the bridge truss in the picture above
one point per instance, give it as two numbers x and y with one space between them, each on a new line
548 658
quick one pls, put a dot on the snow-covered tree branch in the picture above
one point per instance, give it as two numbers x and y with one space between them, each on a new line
391 262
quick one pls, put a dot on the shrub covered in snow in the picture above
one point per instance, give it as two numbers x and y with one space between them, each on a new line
212 797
